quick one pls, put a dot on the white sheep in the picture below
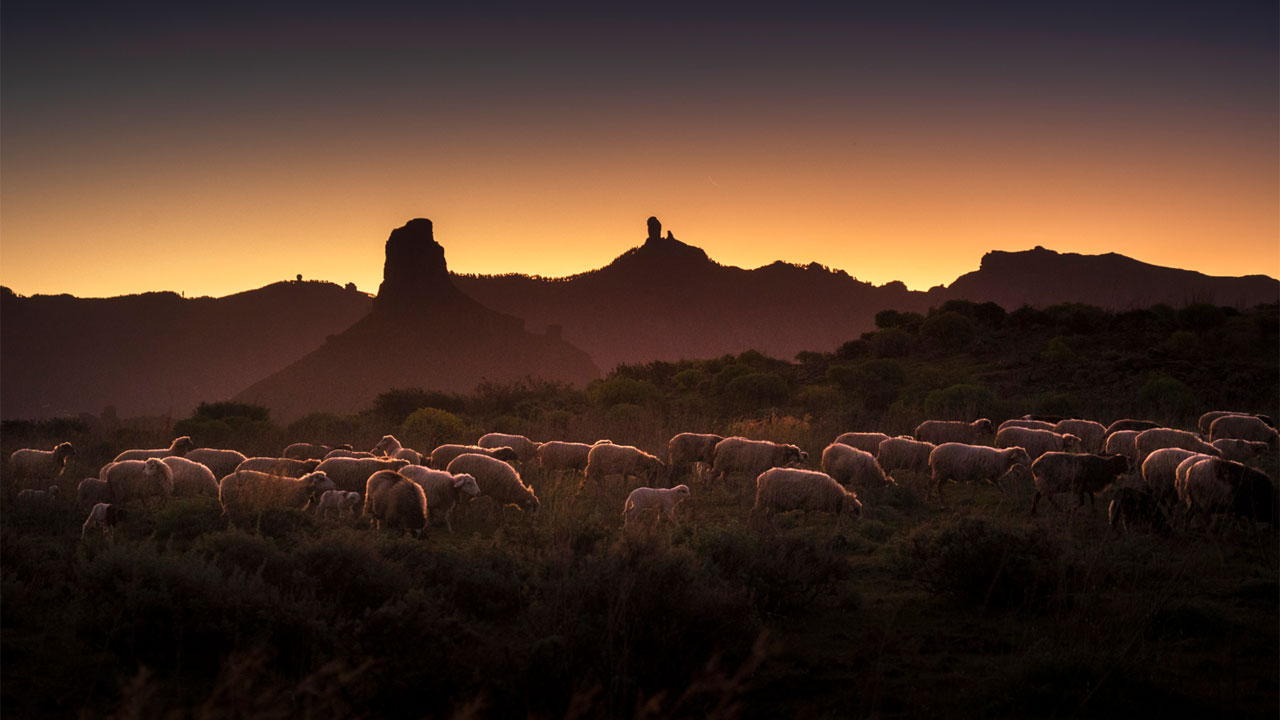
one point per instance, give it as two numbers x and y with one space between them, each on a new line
92 491
783 489
1025 423
525 448
191 478
309 451
1159 470
28 465
1205 423
412 456
180 447
285 467
664 500
1243 427
1082 474
220 462
904 453
1036 442
443 455
971 463
39 498
496 479
864 441
1120 442
249 490
558 456
751 457
388 446
443 490
139 479
1148 441
352 474
105 517
393 501
1129 424
341 502
948 431
626 461
853 467
1241 451
1092 434
686 451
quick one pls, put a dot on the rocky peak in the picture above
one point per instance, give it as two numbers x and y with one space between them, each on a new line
415 271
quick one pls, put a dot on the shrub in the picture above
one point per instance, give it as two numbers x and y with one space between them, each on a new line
756 391
619 390
951 330
1058 351
960 402
891 342
1167 396
430 427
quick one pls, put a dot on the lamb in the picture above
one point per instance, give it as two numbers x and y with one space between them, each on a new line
1121 443
971 463
346 452
496 479
1127 424
1206 420
904 453
1136 505
285 467
92 491
625 460
29 465
1036 442
339 501
1148 441
443 455
139 479
751 457
1241 451
220 462
782 489
180 447
443 490
105 517
853 467
939 432
1092 434
1160 469
1023 422
1059 472
525 448
352 474
388 446
396 502
865 441
191 478
412 456
663 500
43 498
558 456
686 451
309 451
1215 485
246 491
1243 427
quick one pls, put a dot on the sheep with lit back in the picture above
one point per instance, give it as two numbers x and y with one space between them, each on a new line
352 474
30 466
865 441
904 453
105 517
249 490
1129 424
346 452
1159 471
625 460
1243 427
496 479
1025 423
972 463
92 491
525 448
443 455
388 446
853 467
664 500
686 450
1149 441
139 479
1241 451
1035 442
1092 434
1120 442
308 451
395 502
954 431
413 457
443 490
284 467
341 502
782 489
1205 424
190 478
1082 474
558 456
1214 485
180 447
752 457
220 462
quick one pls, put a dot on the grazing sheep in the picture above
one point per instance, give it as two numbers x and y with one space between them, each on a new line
1214 485
220 462
625 460
443 490
1092 434
1052 419
105 517
249 490
443 455
782 489
388 446
92 491
346 452
559 456
953 431
525 448
1127 424
1206 420
971 463
1241 451
751 457
1082 474
412 456
686 451
1243 427
44 497
1148 441
191 478
394 501
285 467
339 501
352 474
1160 469
496 479
1120 442
1025 423
139 479
853 467
865 441
29 465
664 500
1136 506
904 453
309 451
1036 442
180 447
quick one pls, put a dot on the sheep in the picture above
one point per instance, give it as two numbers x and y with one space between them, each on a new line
1092 434
340 501
1136 505
1042 418
352 474
904 453
496 479
1036 442
443 455
1206 420
396 502
92 491
220 462
664 500
781 489
1148 441
285 467
346 452
865 441
1120 442
1240 450
939 432
1160 468
28 465
625 460
42 498
412 456
245 491
1214 485
685 451
309 451
853 467
1025 423
1243 427
104 516
1059 472
525 448
141 479
180 447
558 456
971 463
388 446
1127 424
191 478
751 457
443 490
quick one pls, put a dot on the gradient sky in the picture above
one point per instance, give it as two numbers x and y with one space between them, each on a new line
213 148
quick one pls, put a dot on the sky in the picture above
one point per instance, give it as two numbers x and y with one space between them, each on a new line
210 148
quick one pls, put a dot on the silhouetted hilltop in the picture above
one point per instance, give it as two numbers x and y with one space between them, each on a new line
421 332
157 353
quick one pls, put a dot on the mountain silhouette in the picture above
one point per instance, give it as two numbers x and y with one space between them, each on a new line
421 332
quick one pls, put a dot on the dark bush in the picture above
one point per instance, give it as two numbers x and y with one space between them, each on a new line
960 402
756 391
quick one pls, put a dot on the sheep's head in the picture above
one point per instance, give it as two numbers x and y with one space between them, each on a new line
153 467
682 491
983 425
351 499
387 445
318 481
182 445
1119 463
851 505
1070 442
465 483
505 454
64 451
310 465
530 505
794 455
54 490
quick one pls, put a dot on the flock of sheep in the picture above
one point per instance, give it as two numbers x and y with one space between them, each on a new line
1158 472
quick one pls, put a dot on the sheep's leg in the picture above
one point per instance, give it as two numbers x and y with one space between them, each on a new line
1035 500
